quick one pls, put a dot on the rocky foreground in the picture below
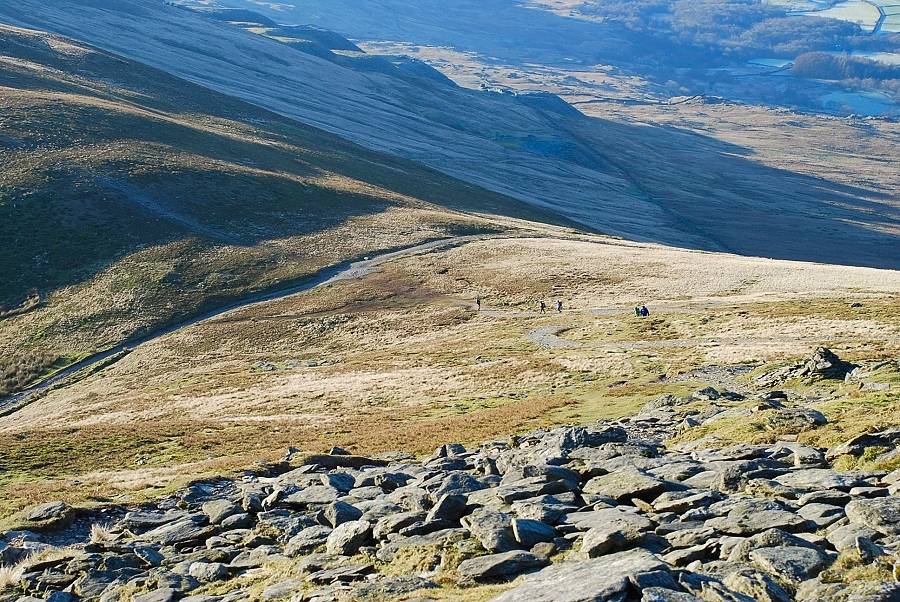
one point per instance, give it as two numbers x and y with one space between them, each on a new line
570 514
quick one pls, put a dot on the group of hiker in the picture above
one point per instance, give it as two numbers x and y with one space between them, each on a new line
640 311
559 305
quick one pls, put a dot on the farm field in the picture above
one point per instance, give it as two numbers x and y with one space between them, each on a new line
860 12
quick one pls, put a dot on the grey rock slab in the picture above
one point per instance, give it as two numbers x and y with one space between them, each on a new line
790 563
684 556
455 482
821 515
240 520
500 566
390 588
756 522
51 511
844 538
165 594
342 481
343 574
307 540
394 523
348 538
625 485
281 590
186 530
614 536
880 514
218 510
662 594
531 532
771 538
605 578
492 528
608 517
317 494
869 492
208 572
680 502
449 507
756 584
686 538
832 497
819 479
338 512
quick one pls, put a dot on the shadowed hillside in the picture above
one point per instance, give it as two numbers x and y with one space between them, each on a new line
151 199
680 186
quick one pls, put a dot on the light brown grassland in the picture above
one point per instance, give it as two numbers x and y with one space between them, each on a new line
400 360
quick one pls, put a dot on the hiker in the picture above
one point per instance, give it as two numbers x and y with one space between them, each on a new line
478 302
543 307
637 311
644 311
559 306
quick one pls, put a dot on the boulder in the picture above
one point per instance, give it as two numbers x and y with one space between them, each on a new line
348 538
625 485
164 594
208 572
449 507
531 532
605 578
758 585
821 515
492 528
338 512
500 566
315 495
790 563
756 522
49 516
183 531
880 514
306 540
218 510
818 479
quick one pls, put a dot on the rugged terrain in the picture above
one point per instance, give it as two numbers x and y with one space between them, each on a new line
261 373
605 512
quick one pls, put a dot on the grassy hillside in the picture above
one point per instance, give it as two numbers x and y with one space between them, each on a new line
401 360
130 198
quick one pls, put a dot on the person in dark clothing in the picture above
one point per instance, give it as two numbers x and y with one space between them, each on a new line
559 306
543 307
644 311
478 302
637 311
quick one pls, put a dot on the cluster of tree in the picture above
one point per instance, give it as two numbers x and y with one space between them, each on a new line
722 30
820 65
18 372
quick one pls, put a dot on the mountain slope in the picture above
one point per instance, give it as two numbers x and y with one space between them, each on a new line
640 180
130 198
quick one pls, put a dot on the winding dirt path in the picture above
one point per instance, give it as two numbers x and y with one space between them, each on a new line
347 270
